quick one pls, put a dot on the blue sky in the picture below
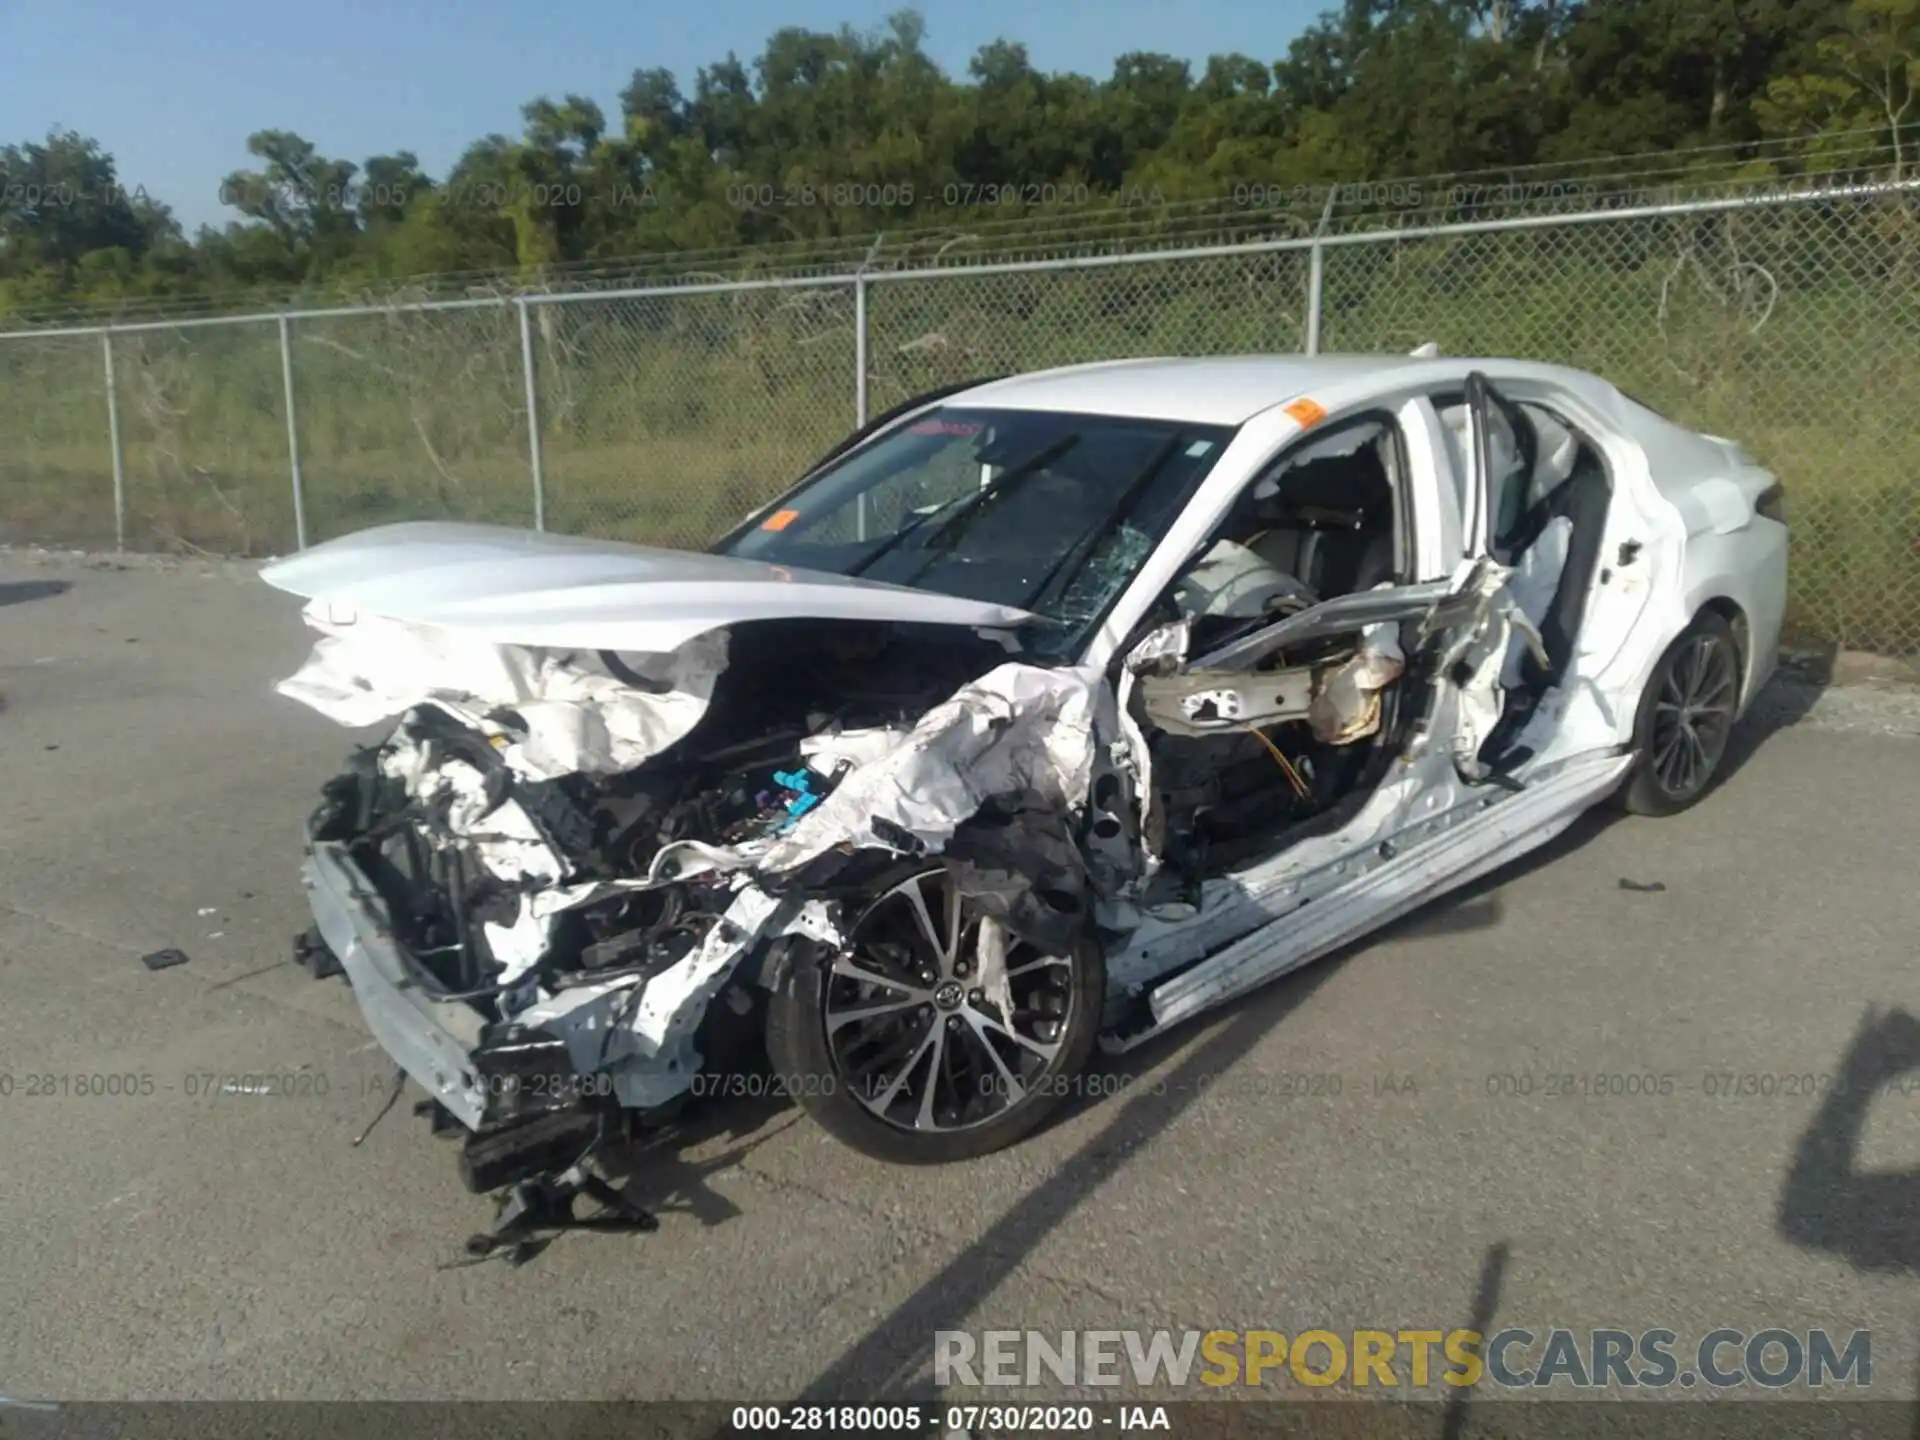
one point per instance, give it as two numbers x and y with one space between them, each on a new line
173 89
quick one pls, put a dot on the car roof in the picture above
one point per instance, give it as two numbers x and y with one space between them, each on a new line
1219 390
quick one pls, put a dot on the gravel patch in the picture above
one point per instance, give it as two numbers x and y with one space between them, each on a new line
1874 709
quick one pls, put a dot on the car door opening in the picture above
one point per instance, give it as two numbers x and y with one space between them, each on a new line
1294 663
1549 494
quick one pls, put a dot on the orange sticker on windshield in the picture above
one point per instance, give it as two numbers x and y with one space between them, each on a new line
1308 413
779 519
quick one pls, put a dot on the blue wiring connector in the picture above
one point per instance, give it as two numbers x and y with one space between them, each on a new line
802 798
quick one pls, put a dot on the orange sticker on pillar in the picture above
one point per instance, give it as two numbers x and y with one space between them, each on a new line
779 520
1306 413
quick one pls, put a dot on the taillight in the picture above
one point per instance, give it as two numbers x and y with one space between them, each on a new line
1773 503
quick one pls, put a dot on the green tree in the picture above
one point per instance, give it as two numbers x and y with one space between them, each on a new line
1863 75
62 200
309 202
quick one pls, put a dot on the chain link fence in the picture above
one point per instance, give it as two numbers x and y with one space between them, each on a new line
56 457
1793 329
1789 323
408 415
664 419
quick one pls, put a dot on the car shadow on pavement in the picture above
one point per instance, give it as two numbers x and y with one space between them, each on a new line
1869 1219
1786 700
656 1170
1448 915
1474 907
19 592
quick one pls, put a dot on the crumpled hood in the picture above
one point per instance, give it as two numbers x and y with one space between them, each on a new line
522 587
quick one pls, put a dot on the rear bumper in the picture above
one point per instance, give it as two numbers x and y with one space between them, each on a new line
433 1040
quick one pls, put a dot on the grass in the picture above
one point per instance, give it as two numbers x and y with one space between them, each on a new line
1795 332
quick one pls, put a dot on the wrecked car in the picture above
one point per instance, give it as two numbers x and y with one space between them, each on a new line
1042 715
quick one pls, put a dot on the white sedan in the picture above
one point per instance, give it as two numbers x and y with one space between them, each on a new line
1044 713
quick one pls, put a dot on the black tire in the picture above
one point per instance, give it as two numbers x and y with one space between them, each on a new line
1685 720
1056 1003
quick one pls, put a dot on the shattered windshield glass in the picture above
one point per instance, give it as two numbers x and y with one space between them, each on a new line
1049 512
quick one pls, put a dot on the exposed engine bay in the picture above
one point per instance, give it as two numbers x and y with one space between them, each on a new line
462 844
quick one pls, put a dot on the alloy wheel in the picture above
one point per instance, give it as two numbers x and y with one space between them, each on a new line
938 1018
1693 715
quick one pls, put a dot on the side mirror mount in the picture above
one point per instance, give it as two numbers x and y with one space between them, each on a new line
1162 651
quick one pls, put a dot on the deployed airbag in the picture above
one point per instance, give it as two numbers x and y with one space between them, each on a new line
1018 728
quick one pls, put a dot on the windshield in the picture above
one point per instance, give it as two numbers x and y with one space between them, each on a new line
1049 512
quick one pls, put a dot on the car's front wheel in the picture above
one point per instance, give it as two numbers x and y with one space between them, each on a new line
1685 720
934 1034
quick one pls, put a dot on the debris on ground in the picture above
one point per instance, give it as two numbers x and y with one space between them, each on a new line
1644 887
164 959
311 954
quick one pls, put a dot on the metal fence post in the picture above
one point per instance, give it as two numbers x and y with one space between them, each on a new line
860 370
293 436
860 333
113 439
1316 274
859 350
533 416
